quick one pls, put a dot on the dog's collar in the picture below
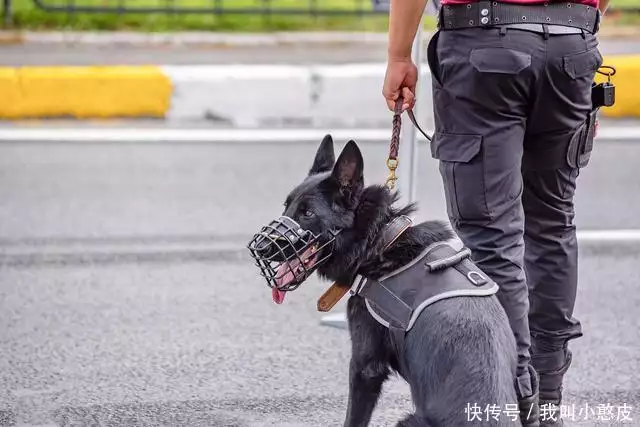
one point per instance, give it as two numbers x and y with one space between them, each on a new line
394 229
391 232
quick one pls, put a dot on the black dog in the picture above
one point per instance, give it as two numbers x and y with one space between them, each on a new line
460 355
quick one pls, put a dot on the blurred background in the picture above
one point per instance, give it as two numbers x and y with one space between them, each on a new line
143 142
225 15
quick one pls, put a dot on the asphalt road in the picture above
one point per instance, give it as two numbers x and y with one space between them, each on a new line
79 54
191 337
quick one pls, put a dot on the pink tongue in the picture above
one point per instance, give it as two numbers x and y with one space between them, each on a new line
278 295
285 275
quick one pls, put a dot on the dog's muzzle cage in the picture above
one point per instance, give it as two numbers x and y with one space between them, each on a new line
283 247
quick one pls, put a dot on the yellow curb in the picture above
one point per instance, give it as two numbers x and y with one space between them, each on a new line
627 82
84 92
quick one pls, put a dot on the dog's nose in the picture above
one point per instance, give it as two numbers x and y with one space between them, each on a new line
262 245
272 247
278 241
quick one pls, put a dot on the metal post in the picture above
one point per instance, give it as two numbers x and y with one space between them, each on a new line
6 12
407 167
408 154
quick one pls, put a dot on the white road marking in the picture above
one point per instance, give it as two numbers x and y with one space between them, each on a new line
609 236
273 71
189 135
234 135
189 245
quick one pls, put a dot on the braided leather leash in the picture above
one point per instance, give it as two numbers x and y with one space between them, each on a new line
394 147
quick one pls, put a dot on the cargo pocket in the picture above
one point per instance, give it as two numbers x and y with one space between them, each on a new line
463 175
581 143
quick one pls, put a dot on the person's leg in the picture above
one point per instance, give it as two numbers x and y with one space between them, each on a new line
551 264
481 84
558 138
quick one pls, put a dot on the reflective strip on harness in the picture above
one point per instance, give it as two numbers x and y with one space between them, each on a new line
451 294
375 315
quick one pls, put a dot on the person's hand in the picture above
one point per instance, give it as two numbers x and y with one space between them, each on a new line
401 78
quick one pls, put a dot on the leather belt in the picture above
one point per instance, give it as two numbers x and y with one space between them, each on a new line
493 13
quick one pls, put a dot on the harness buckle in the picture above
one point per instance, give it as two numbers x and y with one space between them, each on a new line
481 281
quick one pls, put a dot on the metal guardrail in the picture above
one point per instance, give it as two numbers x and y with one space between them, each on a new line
363 7
217 7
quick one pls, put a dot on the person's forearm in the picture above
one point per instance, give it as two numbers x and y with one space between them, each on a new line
404 19
603 6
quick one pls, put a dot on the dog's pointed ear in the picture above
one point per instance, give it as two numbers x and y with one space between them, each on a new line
348 170
325 157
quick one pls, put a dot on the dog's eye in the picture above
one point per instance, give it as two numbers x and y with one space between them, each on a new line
308 213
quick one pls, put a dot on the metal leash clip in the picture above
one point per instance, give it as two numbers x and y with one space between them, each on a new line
392 164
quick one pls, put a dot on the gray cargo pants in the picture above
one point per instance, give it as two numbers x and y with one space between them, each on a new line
514 125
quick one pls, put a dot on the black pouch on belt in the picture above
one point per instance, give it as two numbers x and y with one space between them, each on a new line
603 94
581 144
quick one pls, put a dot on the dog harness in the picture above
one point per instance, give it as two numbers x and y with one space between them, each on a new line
439 272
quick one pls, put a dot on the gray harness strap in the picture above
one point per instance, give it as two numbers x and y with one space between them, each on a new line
439 272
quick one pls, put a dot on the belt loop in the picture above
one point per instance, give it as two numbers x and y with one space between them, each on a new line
485 15
584 33
545 29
